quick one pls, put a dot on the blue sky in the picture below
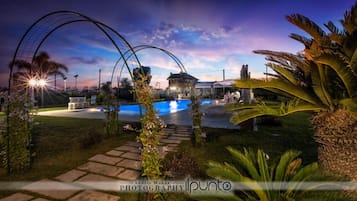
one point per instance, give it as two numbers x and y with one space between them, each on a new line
207 36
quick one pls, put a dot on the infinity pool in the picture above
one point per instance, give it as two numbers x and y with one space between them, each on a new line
162 107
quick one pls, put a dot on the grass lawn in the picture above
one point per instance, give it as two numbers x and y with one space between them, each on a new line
58 148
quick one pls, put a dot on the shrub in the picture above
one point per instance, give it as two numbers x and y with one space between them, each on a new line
180 165
255 173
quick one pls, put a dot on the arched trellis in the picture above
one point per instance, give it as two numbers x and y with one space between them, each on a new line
61 18
82 18
138 48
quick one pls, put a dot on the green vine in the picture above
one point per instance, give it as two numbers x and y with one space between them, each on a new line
196 119
149 134
16 141
111 111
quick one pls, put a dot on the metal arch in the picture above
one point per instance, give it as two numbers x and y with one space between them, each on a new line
98 24
177 60
142 47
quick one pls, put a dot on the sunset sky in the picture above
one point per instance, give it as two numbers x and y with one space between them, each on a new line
207 36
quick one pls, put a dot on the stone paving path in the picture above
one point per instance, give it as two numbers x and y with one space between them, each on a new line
121 163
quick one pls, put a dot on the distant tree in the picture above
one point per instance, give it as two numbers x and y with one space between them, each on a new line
125 83
41 67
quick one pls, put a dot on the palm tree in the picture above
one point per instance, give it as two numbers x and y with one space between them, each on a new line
322 79
41 67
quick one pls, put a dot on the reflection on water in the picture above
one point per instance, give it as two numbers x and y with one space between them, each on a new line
162 107
173 106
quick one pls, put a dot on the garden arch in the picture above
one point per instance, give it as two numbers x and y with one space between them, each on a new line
138 48
32 40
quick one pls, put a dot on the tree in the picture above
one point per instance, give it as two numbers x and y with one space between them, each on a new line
41 67
323 79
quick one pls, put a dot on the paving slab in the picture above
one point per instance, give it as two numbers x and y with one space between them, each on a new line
56 194
40 199
131 164
103 169
170 141
70 175
183 132
129 175
128 148
105 159
180 135
172 145
114 153
94 178
134 144
17 197
134 156
179 138
94 196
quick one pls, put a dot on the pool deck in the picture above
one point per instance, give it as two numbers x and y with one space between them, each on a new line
214 116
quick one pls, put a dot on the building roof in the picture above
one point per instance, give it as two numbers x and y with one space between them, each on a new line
224 83
204 84
181 76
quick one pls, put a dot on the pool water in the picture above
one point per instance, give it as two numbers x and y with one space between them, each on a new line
162 107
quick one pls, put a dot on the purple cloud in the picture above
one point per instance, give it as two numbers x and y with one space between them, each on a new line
92 61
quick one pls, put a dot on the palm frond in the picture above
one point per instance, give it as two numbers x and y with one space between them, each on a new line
284 73
218 170
300 177
278 110
245 163
296 61
304 40
284 161
335 35
279 84
353 62
319 84
345 74
349 22
263 170
307 25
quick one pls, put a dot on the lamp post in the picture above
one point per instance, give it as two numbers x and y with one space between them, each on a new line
75 83
65 84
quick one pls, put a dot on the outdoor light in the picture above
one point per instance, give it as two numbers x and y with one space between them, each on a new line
173 88
42 82
32 82
37 83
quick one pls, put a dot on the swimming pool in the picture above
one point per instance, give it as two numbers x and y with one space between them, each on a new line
162 107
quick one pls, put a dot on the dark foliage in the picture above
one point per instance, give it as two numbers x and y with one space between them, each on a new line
91 138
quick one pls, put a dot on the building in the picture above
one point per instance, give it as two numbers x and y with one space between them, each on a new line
180 85
205 89
222 87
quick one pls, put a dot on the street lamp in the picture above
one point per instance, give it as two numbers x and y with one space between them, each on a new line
65 84
75 83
